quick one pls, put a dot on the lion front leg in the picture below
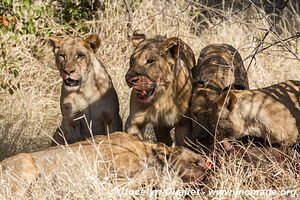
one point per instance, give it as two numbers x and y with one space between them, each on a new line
69 132
116 124
58 137
163 135
135 125
182 129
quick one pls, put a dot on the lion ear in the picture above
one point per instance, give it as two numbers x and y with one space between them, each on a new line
172 45
55 42
137 37
94 41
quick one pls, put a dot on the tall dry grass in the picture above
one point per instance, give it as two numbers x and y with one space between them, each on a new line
29 116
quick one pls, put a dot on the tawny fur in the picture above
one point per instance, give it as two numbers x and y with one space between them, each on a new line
119 152
219 66
164 64
271 113
94 99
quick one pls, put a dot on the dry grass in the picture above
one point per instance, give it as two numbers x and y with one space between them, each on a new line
30 115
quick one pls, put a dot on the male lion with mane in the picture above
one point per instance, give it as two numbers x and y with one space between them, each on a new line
87 91
160 75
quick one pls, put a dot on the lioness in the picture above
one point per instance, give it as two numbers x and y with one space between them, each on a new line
160 75
118 152
271 113
219 66
87 90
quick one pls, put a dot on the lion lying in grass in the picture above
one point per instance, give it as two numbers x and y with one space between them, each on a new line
119 152
87 91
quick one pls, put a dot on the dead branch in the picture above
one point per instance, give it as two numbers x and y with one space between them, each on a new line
130 19
257 51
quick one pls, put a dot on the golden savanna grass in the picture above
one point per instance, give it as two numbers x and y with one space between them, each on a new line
29 116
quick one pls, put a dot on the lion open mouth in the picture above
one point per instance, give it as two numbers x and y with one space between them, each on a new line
143 87
144 94
72 82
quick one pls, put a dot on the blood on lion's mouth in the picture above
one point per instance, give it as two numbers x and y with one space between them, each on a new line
145 95
72 82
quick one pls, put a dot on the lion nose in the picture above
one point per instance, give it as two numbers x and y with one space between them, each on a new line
132 81
68 71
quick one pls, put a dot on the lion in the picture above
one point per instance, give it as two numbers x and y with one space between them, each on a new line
219 66
119 152
271 113
160 75
88 102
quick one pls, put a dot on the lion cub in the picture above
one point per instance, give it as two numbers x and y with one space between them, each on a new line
89 102
160 75
271 113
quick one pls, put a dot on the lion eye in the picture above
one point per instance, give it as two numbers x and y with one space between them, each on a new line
80 56
61 57
150 61
131 61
